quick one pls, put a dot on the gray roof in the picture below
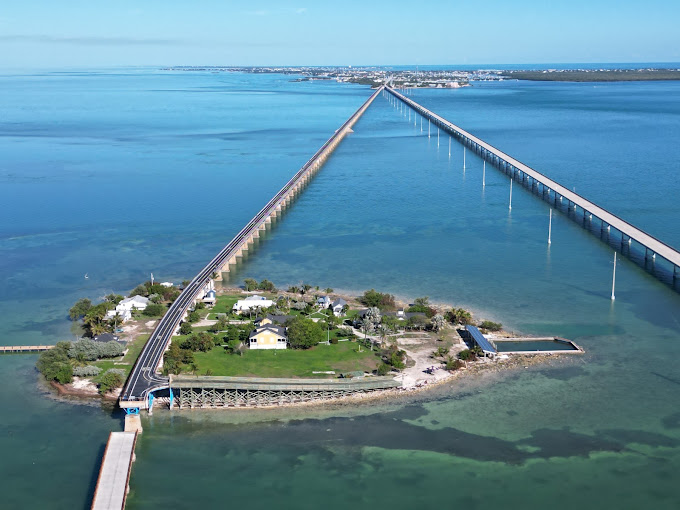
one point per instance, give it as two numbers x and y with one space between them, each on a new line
338 302
278 319
269 327
106 337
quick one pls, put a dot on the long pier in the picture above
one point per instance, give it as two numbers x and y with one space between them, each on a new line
143 379
114 474
556 194
7 349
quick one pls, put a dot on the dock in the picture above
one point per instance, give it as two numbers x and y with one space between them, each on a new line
9 349
114 475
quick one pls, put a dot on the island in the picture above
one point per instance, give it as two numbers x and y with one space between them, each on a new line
303 332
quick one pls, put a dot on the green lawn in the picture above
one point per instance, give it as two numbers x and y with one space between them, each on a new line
342 357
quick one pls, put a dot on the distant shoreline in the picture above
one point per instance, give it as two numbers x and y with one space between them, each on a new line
595 75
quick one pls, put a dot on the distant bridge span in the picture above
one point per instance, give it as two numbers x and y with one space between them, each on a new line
552 191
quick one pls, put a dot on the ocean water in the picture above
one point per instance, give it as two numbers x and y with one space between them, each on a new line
118 174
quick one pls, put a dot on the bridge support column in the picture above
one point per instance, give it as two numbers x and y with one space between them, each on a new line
172 398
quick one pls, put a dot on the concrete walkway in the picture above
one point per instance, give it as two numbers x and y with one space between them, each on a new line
112 484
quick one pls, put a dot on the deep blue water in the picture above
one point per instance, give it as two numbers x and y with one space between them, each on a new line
119 174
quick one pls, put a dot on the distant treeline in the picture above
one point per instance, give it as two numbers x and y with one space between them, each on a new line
596 75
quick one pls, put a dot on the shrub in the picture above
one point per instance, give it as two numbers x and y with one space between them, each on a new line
491 326
89 350
185 328
467 355
112 378
193 316
383 369
87 371
454 364
334 340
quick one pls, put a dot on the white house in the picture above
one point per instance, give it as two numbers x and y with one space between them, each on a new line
167 284
133 303
124 315
251 303
210 298
338 307
323 302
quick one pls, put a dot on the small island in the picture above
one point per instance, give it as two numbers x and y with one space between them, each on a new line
257 331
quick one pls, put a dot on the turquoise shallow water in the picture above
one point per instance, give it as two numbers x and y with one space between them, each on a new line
120 174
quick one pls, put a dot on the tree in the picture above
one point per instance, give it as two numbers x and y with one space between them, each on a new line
193 316
373 318
266 285
491 326
304 288
459 316
373 298
202 341
154 310
79 310
293 289
391 323
185 329
110 380
304 333
328 290
54 364
139 290
250 284
438 322
114 298
416 322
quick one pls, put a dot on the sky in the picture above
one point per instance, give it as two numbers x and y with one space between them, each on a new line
79 33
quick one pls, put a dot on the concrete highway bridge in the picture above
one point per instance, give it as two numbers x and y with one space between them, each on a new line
592 217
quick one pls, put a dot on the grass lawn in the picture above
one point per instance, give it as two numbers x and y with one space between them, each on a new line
135 348
342 357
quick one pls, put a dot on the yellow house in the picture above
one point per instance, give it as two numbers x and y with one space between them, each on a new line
268 336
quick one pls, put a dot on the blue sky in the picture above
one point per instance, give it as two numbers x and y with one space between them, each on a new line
69 33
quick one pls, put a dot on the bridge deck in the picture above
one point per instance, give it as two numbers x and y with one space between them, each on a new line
655 245
282 384
114 474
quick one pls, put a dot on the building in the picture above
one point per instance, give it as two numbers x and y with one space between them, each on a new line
210 298
268 337
338 307
273 319
108 337
123 315
251 303
133 303
323 302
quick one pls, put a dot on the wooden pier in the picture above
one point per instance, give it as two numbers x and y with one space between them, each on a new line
9 349
196 392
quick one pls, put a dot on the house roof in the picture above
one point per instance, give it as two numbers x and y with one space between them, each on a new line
280 319
277 330
135 299
106 337
339 302
255 298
